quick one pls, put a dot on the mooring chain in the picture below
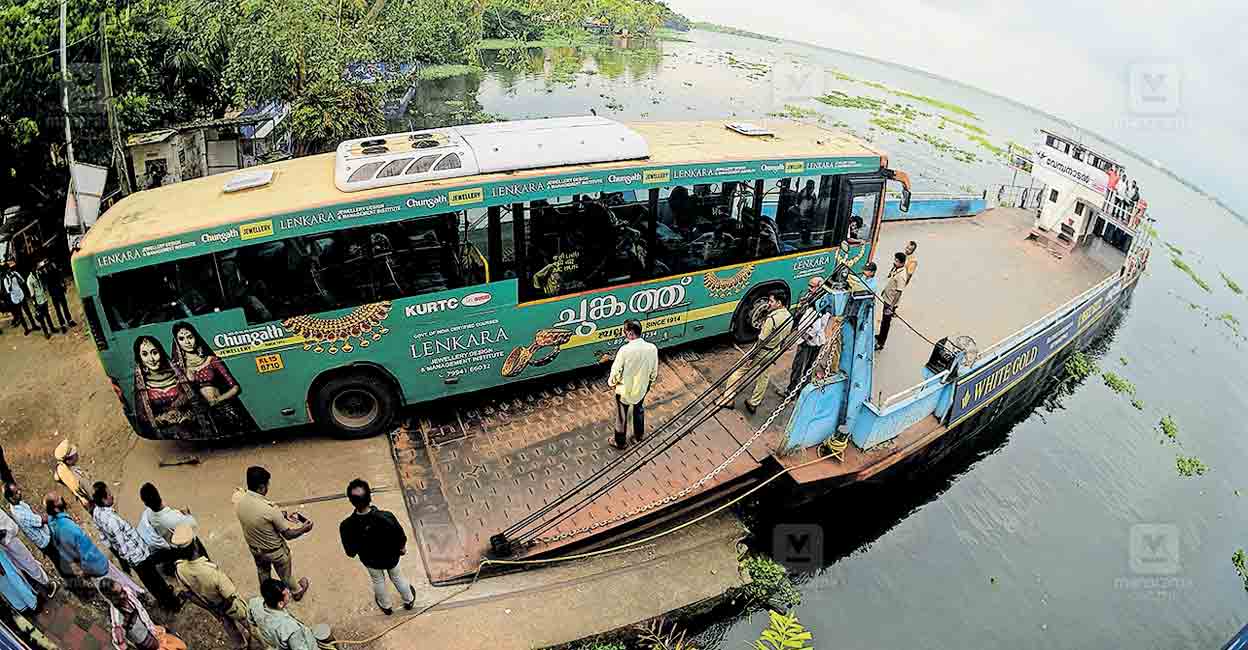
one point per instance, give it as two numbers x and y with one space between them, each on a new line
692 487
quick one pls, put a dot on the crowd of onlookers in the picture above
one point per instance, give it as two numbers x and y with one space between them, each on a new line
172 566
36 299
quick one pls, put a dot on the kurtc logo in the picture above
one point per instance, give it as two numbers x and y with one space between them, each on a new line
1153 88
799 547
1154 549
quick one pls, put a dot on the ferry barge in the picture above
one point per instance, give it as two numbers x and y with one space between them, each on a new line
1011 293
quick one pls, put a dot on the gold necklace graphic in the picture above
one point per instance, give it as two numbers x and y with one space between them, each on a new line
723 287
363 324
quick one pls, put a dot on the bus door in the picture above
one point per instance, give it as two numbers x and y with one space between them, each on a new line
860 205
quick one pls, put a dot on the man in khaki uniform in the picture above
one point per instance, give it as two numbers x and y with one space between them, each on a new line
779 322
898 278
208 587
266 529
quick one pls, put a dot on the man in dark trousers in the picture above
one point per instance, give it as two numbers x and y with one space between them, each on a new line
54 283
633 372
15 298
375 536
897 280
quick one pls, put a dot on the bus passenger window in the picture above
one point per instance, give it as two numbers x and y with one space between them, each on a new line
161 293
586 242
417 256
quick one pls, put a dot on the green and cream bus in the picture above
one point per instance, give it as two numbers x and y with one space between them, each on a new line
335 289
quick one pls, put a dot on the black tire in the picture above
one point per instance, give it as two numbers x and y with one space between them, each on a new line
744 327
357 404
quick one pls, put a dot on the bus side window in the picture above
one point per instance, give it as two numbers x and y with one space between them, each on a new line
586 242
161 293
802 211
708 226
415 257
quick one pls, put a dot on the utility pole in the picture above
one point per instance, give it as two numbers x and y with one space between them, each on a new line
69 138
114 131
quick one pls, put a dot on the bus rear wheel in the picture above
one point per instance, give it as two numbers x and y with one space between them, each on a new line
356 405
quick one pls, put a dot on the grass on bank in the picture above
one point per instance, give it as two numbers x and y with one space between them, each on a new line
446 71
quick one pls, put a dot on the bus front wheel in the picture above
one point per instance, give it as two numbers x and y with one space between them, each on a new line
748 320
356 405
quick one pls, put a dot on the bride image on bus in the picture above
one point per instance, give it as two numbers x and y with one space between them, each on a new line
164 403
211 381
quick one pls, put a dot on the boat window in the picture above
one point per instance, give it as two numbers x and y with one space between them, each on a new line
1052 196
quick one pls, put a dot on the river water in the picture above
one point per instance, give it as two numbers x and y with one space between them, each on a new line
1068 528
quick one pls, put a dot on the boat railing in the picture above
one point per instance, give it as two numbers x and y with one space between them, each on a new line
1124 212
938 195
912 391
1016 196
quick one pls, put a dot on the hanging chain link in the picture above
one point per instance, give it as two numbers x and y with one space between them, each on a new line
552 539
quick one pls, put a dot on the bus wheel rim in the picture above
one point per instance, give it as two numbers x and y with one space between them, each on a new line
355 408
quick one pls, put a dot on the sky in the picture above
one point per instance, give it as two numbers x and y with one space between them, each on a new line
1168 80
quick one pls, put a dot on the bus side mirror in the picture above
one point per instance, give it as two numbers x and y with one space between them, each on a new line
904 179
905 200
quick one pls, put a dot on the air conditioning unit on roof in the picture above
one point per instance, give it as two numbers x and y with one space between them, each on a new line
451 152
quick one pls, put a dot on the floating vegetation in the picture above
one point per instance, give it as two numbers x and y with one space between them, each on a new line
983 142
769 582
1118 384
1230 284
1189 466
1228 317
838 99
966 125
795 112
1139 406
1173 249
755 70
1237 560
1168 427
1182 266
1122 360
952 108
1079 366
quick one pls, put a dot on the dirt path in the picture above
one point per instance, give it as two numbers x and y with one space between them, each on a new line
55 389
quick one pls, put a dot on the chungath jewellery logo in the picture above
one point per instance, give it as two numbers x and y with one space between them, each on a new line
1155 563
1154 88
427 203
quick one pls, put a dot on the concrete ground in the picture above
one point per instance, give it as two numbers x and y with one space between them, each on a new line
535 608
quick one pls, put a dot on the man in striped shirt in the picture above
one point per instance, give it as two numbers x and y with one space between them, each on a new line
130 547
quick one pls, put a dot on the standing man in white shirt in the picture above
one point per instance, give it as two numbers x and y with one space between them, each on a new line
633 372
813 338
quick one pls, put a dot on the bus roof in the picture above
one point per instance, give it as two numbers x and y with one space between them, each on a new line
308 182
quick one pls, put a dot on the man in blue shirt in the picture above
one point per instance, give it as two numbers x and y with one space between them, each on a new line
33 525
76 548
